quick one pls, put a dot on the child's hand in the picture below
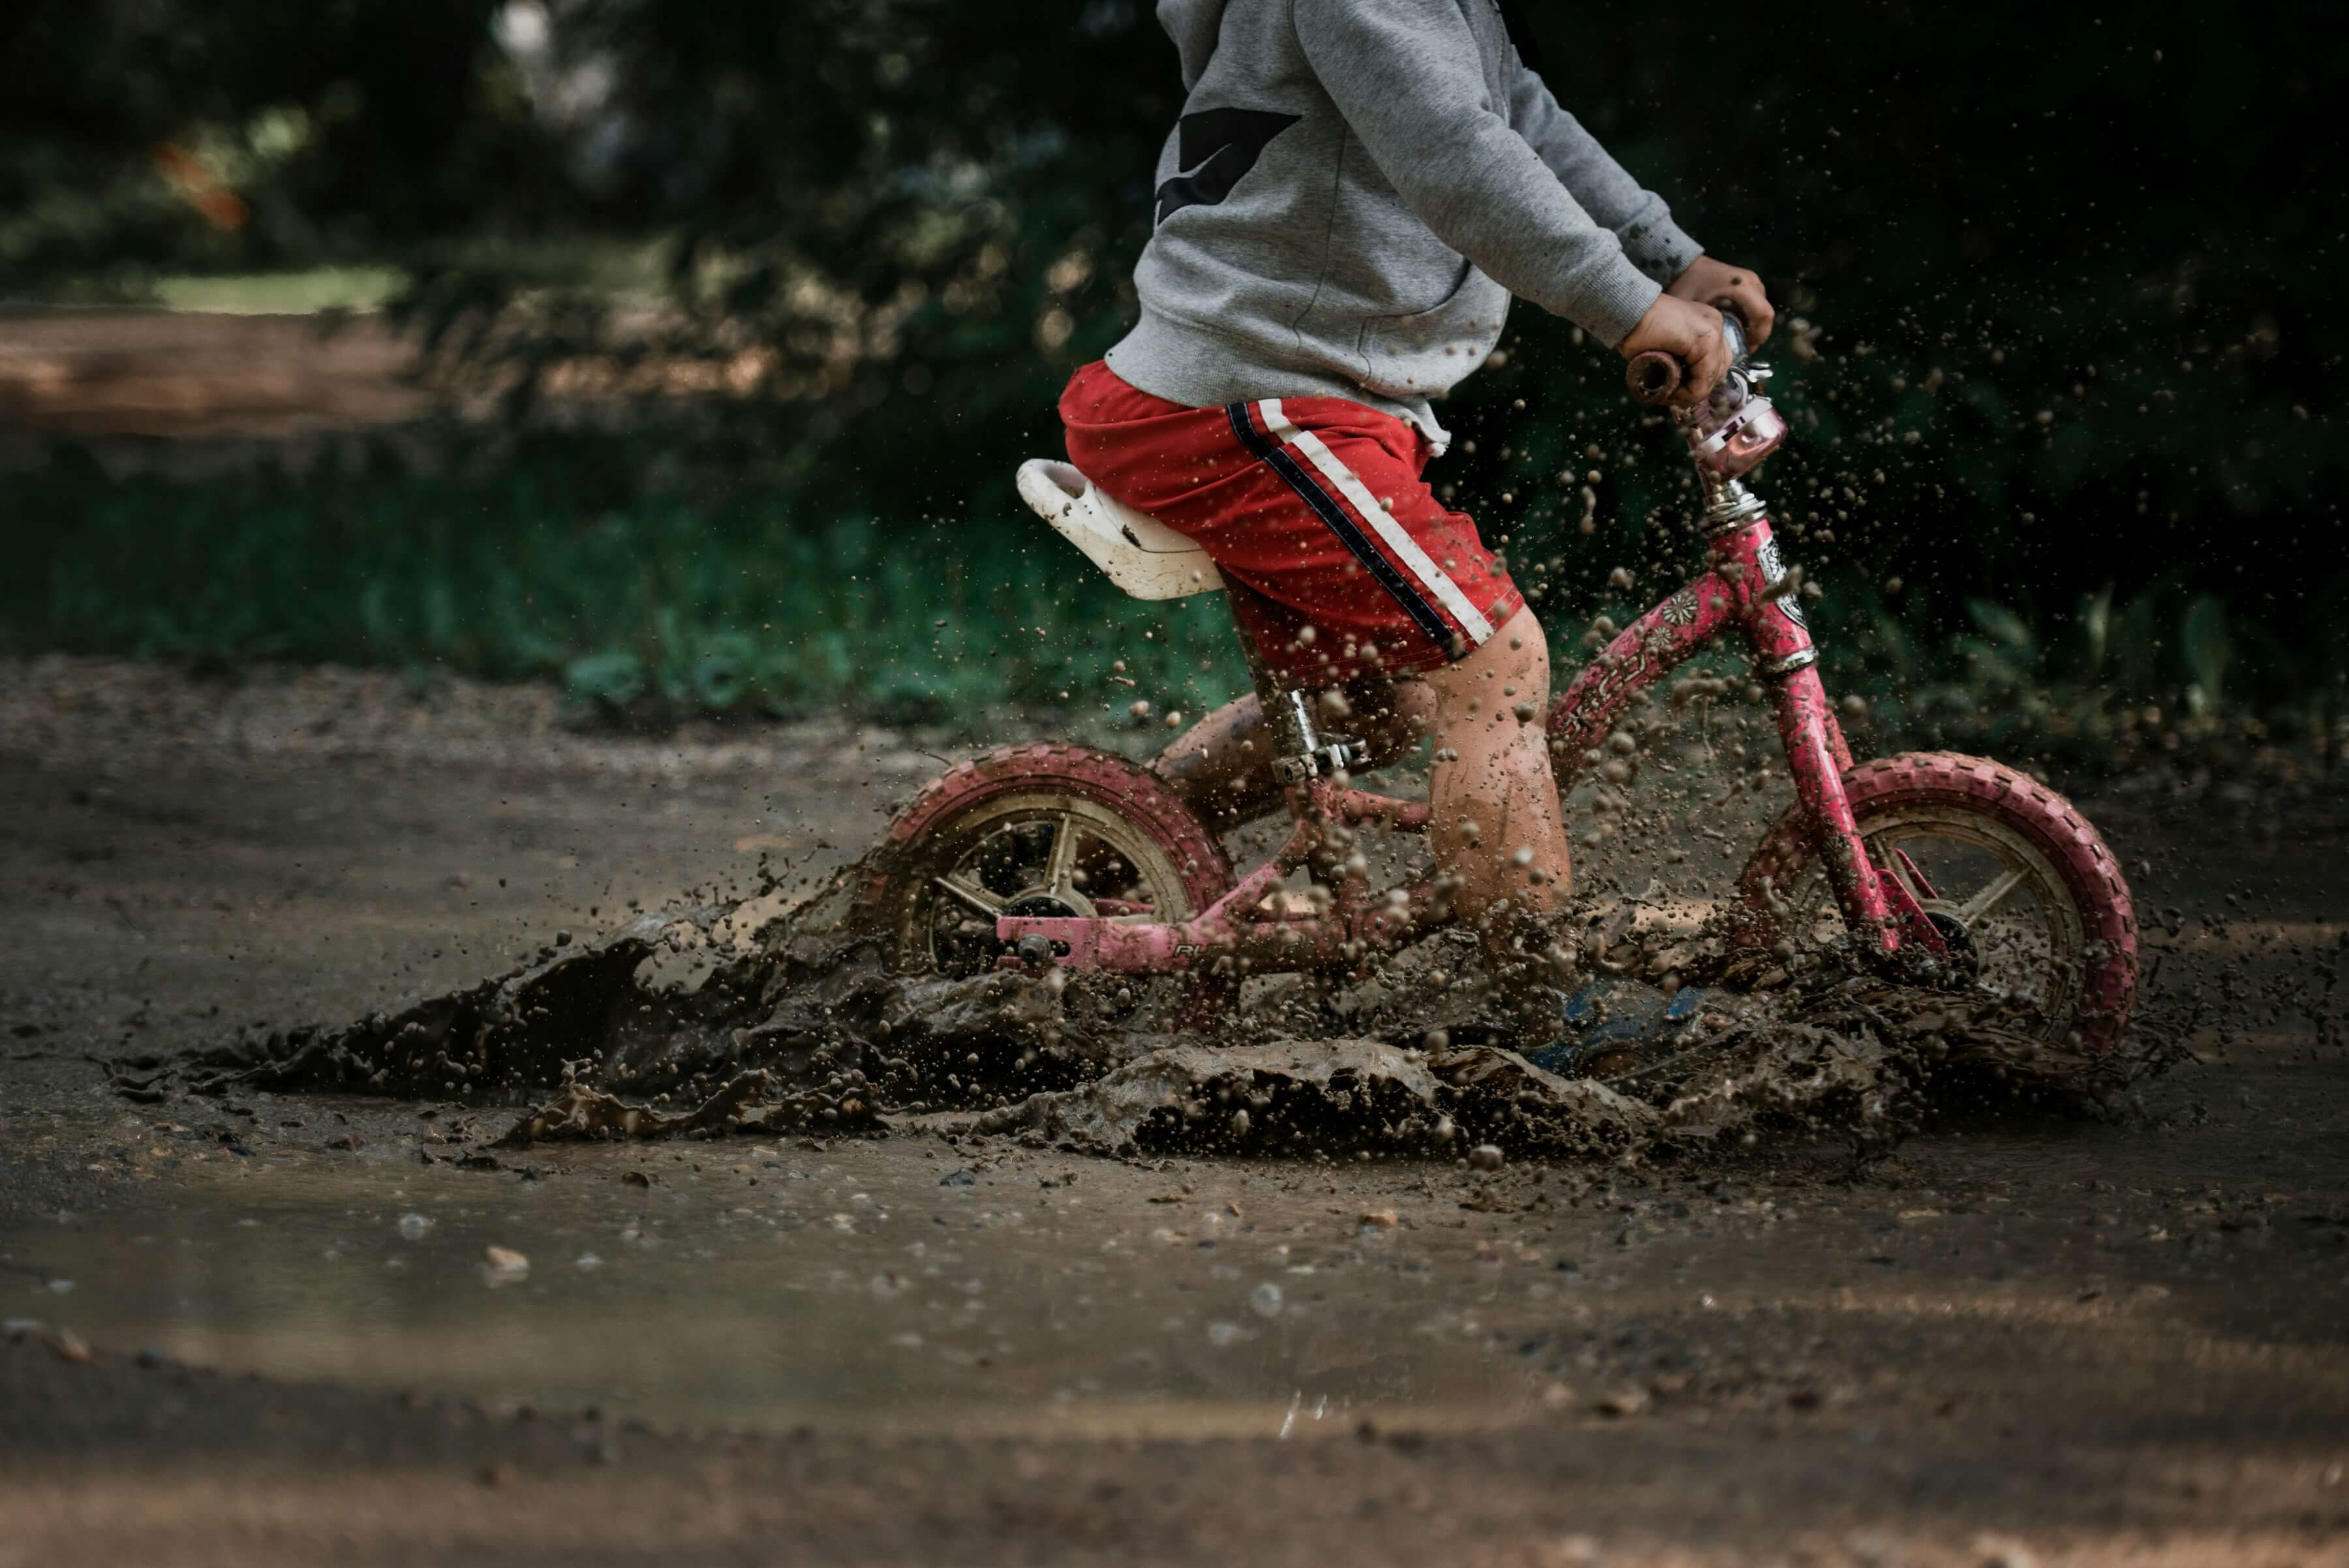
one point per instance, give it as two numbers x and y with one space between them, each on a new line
1691 333
1709 282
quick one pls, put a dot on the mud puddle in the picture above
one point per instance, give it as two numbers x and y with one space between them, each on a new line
868 1286
803 1188
802 1028
913 1284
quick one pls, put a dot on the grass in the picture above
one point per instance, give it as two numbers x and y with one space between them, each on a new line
647 601
355 289
736 604
625 272
311 291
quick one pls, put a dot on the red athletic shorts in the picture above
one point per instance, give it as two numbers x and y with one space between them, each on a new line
1315 503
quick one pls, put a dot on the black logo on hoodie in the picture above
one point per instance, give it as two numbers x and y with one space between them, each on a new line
1217 147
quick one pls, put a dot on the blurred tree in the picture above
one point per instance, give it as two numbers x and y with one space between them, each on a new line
2065 279
2066 282
861 200
137 135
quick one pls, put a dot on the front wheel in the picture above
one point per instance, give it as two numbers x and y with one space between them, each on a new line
2032 903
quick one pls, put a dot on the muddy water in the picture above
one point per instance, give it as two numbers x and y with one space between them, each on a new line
2160 1281
751 1284
918 1285
906 1284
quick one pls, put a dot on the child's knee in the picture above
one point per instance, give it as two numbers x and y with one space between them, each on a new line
1509 668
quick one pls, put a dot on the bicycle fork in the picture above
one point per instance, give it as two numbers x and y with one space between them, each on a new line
1881 914
1747 586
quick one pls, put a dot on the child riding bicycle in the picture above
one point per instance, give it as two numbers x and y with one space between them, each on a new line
1353 192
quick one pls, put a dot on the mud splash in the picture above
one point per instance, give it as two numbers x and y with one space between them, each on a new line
807 1032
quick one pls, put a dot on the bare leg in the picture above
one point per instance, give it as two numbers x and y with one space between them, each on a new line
1222 766
1499 834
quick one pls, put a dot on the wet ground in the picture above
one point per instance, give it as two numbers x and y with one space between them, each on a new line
266 1329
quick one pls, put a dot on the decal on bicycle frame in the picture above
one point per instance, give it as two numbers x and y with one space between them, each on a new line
1774 570
1613 676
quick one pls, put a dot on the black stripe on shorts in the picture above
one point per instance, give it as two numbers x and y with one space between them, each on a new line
1342 523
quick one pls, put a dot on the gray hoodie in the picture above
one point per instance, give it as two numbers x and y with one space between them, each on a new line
1355 191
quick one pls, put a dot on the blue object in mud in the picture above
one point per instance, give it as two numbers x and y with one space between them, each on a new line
1611 1015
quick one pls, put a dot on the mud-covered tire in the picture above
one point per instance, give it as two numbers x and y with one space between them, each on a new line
1948 784
1127 809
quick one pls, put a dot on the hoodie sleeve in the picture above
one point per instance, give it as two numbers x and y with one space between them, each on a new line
1636 216
1410 80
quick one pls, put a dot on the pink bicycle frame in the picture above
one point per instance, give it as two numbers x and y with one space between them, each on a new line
1745 587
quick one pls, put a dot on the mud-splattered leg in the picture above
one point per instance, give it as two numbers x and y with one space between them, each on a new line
1222 766
1496 827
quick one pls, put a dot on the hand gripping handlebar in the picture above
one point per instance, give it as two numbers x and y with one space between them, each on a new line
1653 376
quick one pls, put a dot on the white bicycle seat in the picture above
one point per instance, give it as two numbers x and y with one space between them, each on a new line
1140 555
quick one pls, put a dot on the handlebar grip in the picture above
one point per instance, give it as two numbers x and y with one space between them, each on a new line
1652 377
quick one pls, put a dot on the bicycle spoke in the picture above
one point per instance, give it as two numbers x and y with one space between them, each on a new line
971 893
1990 897
1063 858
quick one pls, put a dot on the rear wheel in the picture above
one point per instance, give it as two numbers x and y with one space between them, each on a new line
2029 900
1052 831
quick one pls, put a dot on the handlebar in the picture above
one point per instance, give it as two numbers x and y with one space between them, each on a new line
1653 376
1730 430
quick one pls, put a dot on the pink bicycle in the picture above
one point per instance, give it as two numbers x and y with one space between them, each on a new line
1942 869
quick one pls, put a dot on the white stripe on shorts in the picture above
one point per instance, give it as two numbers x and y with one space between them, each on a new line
1389 532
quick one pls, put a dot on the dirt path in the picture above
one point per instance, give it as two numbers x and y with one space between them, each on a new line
2022 1338
192 393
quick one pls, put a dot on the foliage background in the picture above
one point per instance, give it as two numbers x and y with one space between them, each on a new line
2067 408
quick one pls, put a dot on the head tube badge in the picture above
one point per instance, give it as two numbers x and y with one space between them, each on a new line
1774 570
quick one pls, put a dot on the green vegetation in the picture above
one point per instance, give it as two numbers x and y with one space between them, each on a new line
2061 352
283 294
647 600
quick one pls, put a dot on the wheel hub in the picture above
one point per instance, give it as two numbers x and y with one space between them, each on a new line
1962 963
